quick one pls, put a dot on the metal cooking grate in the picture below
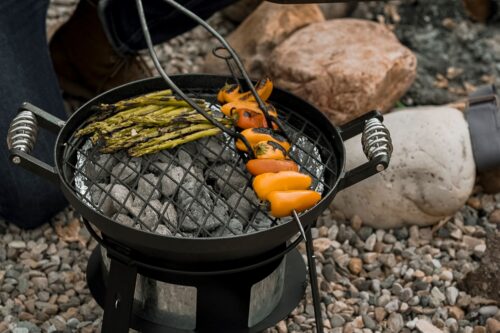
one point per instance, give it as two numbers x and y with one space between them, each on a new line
200 189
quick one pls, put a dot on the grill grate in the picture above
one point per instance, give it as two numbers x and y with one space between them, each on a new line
200 189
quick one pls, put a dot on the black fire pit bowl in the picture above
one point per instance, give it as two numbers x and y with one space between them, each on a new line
297 114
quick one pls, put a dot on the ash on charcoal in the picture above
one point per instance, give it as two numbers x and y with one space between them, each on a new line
124 219
147 187
169 215
146 213
234 227
184 159
262 221
243 206
228 180
101 200
98 169
163 230
122 197
126 172
218 148
171 180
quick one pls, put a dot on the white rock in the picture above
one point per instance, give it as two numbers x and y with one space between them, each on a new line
425 327
431 175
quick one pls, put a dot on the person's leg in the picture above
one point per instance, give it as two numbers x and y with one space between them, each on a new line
26 74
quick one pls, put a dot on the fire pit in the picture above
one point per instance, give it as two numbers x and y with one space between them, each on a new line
184 244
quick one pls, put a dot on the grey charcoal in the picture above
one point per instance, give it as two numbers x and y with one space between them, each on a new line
244 206
218 148
163 230
147 187
124 219
121 197
163 156
201 212
228 181
167 213
171 180
159 168
184 159
101 199
235 227
146 213
126 173
99 168
262 221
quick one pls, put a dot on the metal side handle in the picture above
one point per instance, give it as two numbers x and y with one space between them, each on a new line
377 146
22 135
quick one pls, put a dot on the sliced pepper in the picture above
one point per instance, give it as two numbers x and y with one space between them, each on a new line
228 92
260 166
264 89
229 108
283 203
256 135
282 181
244 118
269 150
231 93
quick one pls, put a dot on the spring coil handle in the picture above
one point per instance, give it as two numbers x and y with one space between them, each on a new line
23 132
376 139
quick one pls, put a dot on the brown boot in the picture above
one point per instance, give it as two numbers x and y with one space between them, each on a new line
84 60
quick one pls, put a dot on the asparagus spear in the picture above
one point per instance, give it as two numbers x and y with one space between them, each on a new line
169 144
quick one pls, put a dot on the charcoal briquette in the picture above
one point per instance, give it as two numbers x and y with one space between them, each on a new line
99 168
218 148
170 181
126 173
124 219
146 213
101 199
147 187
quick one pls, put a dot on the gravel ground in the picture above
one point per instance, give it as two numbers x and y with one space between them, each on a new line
371 280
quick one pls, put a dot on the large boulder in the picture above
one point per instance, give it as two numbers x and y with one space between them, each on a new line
346 67
431 175
267 27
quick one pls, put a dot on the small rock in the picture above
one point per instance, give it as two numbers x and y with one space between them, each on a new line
493 325
456 312
369 322
337 320
392 306
472 242
451 295
355 266
379 314
370 242
17 245
395 322
495 216
321 244
488 311
425 327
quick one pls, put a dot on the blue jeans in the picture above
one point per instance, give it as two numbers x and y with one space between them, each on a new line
26 74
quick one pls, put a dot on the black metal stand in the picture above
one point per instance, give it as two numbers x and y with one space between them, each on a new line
119 297
222 301
313 277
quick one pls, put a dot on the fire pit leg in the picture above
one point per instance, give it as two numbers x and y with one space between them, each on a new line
313 277
119 297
